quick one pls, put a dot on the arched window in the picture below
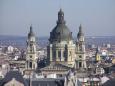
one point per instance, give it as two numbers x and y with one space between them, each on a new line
80 64
30 56
80 56
54 53
30 64
59 53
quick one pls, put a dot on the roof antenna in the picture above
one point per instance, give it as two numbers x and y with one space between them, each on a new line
60 4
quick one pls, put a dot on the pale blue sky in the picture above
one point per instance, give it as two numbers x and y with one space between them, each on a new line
96 16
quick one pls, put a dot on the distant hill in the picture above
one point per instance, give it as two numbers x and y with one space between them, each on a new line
99 40
42 41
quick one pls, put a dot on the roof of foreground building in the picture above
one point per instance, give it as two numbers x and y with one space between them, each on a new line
13 74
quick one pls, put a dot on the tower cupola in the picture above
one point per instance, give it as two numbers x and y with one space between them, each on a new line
80 35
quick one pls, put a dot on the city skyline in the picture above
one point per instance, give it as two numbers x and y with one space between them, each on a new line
97 17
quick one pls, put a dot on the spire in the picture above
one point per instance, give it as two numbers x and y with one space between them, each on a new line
31 33
97 49
97 56
80 33
61 17
80 28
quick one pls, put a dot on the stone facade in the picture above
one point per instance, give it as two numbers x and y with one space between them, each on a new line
63 53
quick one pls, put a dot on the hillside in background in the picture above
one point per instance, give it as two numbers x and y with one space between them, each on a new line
20 41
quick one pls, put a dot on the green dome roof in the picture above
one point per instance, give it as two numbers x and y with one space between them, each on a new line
61 31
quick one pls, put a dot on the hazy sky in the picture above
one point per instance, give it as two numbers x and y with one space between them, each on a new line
96 16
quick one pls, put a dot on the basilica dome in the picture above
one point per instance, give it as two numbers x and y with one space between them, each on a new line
60 32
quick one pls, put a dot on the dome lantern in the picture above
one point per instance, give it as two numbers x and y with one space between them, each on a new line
61 17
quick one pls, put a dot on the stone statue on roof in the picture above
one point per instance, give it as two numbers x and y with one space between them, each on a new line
71 78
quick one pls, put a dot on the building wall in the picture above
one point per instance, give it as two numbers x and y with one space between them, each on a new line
62 52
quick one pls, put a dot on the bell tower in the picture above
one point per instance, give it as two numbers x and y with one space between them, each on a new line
31 57
80 49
